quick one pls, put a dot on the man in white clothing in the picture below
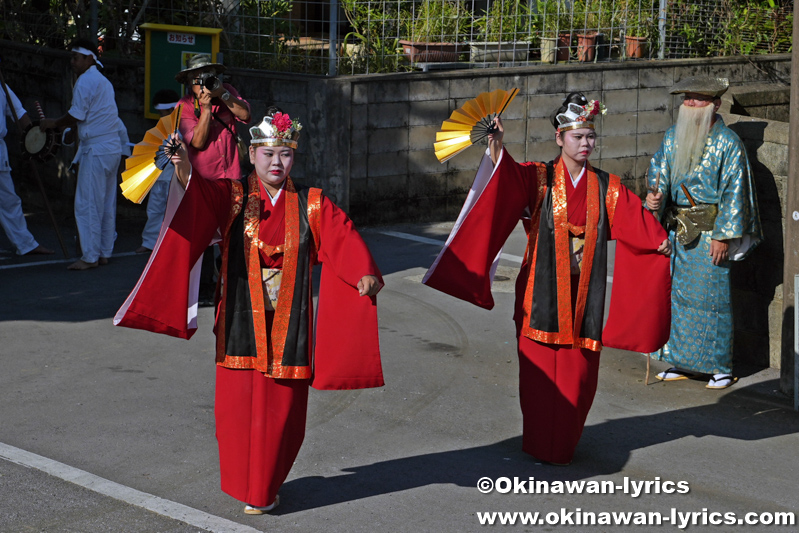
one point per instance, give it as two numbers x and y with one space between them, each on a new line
95 114
11 216
164 102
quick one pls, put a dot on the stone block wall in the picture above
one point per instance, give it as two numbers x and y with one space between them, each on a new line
770 101
757 281
394 175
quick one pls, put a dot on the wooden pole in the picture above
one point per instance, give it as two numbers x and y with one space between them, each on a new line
791 264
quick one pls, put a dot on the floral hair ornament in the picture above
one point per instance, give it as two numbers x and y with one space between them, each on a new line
577 116
276 130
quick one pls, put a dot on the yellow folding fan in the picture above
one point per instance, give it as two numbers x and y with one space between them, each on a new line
150 157
471 123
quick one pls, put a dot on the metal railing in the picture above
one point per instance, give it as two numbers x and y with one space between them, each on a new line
369 36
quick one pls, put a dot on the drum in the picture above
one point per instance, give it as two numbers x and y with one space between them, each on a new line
40 144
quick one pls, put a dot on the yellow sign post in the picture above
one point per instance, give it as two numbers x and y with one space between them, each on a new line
167 49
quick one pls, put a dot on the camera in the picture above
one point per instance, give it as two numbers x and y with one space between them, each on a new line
209 81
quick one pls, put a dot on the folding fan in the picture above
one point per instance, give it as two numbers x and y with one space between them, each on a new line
150 157
471 123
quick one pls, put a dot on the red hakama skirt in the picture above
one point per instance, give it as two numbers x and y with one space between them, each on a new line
260 426
556 389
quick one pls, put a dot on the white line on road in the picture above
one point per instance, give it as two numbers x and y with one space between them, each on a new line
58 261
425 240
114 490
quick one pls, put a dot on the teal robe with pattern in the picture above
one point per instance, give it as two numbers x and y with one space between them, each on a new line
701 324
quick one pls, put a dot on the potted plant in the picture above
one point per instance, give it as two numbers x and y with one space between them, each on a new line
504 32
608 32
638 23
555 36
434 29
586 20
372 45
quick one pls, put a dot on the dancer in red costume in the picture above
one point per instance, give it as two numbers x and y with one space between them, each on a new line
570 210
268 349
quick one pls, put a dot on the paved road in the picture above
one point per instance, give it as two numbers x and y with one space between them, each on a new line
109 429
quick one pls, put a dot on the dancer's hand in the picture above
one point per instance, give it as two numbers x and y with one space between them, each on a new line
369 286
495 140
665 247
181 161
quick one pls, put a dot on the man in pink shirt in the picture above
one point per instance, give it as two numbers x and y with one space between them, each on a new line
208 125
208 119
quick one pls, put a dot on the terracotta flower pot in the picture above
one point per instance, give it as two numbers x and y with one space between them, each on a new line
419 52
564 47
635 46
586 47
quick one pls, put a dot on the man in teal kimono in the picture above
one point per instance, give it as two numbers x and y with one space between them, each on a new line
701 185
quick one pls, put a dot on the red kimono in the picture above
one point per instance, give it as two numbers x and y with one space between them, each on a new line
560 295
267 355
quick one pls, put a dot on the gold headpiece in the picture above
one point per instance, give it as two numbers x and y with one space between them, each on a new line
577 116
276 130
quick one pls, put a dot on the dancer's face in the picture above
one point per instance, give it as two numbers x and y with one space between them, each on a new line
272 164
577 144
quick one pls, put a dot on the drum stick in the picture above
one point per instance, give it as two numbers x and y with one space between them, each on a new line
34 170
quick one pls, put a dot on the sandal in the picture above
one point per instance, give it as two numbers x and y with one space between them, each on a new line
673 374
721 381
252 509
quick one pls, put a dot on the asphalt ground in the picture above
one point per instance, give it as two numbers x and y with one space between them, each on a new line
109 429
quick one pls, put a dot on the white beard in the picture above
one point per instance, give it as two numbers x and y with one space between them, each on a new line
690 137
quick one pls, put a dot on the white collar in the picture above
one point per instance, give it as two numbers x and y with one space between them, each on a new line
575 181
277 196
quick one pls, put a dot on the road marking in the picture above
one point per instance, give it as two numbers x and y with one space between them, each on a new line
125 494
425 240
59 261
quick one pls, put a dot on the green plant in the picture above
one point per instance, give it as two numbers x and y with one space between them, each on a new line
363 55
560 17
376 18
431 21
373 45
506 20
637 18
753 26
554 17
266 28
608 23
587 14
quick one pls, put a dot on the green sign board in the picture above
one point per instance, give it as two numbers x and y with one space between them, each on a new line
167 51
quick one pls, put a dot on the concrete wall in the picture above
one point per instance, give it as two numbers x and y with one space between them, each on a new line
757 281
767 100
394 175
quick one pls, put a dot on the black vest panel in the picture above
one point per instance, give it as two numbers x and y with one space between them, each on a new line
240 332
544 312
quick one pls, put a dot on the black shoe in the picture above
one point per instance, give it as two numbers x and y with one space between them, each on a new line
206 298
